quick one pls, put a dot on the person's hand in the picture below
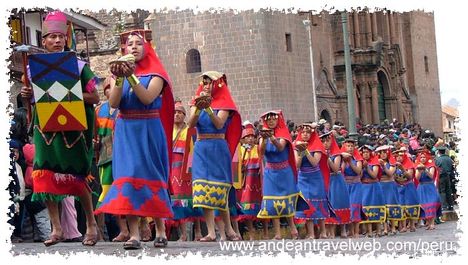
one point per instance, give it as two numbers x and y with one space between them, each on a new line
128 69
301 146
364 163
26 92
202 101
266 133
381 162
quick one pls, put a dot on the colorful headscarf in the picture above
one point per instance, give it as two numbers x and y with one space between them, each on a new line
222 100
429 163
281 131
315 145
150 65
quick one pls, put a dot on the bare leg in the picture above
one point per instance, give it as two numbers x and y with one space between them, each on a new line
235 226
265 228
276 228
343 231
54 216
323 230
356 230
198 233
221 229
134 227
160 228
210 223
91 227
124 234
310 229
251 229
293 229
183 232
145 231
227 224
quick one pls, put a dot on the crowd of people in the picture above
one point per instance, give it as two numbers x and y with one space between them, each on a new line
145 165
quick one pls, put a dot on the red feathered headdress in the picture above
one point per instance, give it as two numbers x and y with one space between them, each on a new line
150 65
281 131
222 100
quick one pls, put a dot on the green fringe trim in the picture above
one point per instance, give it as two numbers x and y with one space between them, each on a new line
50 197
47 197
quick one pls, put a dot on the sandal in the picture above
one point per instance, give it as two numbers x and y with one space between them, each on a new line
132 244
53 239
207 239
160 242
89 240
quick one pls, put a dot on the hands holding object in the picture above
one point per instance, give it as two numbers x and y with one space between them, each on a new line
266 133
124 66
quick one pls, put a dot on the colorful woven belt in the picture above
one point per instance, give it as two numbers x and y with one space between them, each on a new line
278 165
352 179
139 114
369 181
309 169
204 136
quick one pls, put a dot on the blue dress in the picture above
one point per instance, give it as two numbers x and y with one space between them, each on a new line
211 167
355 193
373 202
408 196
429 197
140 160
280 193
392 203
312 187
338 196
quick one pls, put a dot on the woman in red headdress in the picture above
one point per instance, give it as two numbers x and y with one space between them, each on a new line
352 169
394 210
141 154
218 123
429 198
281 197
338 193
408 195
373 202
313 178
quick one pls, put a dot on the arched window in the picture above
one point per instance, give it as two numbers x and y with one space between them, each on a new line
326 116
193 61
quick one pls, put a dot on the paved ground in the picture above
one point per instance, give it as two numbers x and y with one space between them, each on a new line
422 242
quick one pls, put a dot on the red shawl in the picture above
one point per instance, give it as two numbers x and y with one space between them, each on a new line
334 148
281 131
315 145
429 163
150 65
222 100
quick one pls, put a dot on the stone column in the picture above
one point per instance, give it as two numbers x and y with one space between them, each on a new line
357 30
375 102
386 27
368 29
374 27
362 102
392 28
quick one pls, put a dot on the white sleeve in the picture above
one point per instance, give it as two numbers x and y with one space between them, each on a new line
19 173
